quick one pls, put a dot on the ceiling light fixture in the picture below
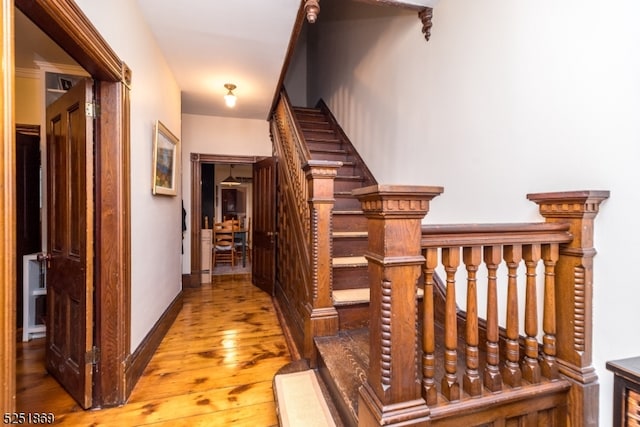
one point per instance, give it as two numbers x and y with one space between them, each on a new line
230 180
230 98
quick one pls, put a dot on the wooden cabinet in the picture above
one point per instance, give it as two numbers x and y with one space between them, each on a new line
626 391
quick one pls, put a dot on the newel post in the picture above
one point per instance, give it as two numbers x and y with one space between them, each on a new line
322 316
574 296
392 394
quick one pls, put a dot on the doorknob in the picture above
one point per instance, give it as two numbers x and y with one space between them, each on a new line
44 256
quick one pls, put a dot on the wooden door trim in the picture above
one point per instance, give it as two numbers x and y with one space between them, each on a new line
65 23
8 215
197 159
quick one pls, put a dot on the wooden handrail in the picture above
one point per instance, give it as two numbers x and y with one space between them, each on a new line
491 234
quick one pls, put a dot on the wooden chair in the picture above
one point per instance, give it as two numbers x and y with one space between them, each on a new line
222 245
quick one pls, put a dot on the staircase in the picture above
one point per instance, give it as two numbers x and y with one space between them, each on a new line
326 141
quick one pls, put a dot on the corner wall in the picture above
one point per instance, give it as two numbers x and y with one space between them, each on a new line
507 98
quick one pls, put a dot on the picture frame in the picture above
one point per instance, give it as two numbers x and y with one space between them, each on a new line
65 83
165 161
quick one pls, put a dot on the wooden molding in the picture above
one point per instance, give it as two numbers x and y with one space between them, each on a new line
312 9
64 22
8 215
145 351
426 15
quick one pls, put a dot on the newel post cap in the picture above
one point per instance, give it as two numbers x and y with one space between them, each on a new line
396 200
569 204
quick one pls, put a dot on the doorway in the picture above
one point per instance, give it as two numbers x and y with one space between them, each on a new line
207 194
223 190
67 26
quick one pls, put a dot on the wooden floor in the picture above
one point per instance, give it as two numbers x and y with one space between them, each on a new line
214 368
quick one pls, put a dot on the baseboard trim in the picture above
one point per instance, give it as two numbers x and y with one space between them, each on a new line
286 330
147 348
191 281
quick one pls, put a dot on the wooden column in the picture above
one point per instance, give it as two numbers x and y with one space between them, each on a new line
574 294
392 393
323 317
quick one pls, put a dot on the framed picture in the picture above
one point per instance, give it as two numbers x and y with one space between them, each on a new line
165 161
65 84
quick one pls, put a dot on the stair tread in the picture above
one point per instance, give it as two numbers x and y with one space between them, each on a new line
346 261
357 296
350 234
301 401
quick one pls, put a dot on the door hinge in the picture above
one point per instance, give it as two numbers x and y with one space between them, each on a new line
92 356
91 109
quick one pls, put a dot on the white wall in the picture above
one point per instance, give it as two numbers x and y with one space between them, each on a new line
156 221
220 136
507 98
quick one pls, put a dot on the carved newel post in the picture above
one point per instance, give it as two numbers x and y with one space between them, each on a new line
392 394
323 317
574 295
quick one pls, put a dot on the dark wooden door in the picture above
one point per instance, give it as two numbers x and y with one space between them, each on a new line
70 243
265 236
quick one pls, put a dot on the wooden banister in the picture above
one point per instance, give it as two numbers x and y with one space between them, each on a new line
561 246
304 224
573 285
392 392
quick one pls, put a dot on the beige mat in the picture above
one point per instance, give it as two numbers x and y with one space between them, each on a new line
300 401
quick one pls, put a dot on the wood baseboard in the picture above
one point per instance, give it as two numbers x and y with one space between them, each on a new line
191 281
145 351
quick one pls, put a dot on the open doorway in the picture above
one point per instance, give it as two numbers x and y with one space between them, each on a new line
208 171
226 200
65 24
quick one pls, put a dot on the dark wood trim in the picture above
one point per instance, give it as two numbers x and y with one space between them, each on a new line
67 26
113 245
64 22
189 281
394 3
7 215
293 41
288 336
145 351
197 160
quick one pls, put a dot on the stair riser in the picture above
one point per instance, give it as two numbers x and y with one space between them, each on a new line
350 278
349 170
354 316
346 184
349 222
327 155
347 203
319 133
311 125
311 117
324 145
350 246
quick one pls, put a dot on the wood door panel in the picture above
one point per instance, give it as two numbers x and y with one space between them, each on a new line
263 258
70 268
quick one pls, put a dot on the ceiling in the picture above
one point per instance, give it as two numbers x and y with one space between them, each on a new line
206 43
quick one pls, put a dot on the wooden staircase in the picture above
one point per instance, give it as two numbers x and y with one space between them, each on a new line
326 141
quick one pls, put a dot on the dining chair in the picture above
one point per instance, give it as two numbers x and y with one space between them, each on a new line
223 247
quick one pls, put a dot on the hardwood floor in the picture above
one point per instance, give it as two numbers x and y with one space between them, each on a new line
214 367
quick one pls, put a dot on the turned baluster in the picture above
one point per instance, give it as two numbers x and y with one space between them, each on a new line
549 365
530 366
471 380
429 391
450 385
492 377
511 373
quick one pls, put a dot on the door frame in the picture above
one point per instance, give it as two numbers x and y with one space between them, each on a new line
197 159
65 24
